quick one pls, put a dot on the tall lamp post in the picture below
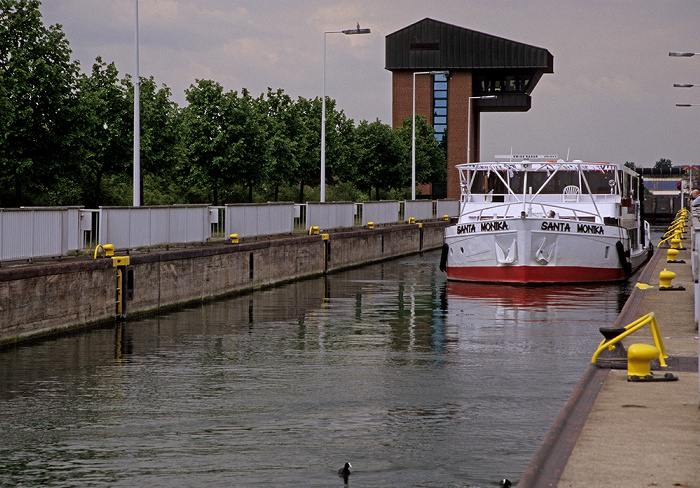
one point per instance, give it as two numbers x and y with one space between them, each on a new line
137 120
347 32
469 120
413 138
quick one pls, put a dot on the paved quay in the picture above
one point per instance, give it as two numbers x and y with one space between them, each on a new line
616 433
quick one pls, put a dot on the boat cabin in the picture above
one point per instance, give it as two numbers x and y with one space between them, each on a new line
593 192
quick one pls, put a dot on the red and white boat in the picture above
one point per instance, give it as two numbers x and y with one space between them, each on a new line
546 221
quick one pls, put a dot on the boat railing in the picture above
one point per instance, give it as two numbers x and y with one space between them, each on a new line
488 210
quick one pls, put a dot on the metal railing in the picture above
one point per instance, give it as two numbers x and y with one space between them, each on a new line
44 232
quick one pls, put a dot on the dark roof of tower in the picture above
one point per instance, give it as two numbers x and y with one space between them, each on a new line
431 45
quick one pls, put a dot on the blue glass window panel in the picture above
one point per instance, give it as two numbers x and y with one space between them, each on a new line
440 111
440 85
439 120
441 102
439 127
440 94
440 78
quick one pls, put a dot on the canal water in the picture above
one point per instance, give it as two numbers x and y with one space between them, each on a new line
414 381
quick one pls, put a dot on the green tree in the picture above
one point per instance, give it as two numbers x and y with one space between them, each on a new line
203 122
308 143
382 158
245 135
104 123
36 77
431 161
339 144
284 129
159 138
663 163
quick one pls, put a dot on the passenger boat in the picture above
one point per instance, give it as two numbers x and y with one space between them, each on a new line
545 220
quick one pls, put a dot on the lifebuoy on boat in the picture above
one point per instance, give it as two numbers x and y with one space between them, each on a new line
443 257
624 258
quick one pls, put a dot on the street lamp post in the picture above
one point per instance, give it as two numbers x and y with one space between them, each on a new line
413 138
469 119
137 120
347 32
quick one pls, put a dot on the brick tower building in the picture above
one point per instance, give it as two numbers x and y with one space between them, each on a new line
479 65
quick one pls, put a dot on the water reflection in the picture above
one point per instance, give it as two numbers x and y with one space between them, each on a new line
415 381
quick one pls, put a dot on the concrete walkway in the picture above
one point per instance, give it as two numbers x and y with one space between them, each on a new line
615 433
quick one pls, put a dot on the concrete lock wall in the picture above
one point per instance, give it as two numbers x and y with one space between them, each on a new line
44 300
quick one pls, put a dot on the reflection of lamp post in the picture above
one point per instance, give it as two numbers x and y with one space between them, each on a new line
323 105
469 119
681 55
688 105
413 139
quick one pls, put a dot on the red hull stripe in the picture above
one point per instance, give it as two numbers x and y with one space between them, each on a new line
532 274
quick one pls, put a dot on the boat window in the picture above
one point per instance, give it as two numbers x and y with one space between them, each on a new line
600 181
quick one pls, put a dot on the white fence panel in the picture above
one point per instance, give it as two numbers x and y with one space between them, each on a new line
133 227
259 219
447 207
330 215
418 209
27 233
383 212
139 225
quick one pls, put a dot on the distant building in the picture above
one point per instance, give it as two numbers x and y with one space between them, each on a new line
479 65
668 188
664 182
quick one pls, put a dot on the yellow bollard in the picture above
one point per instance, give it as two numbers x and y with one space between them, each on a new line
665 278
107 250
313 230
234 238
411 220
671 255
370 225
639 358
676 242
445 217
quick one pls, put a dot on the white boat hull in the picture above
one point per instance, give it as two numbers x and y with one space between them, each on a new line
539 250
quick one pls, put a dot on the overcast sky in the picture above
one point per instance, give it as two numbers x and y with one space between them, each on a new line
610 98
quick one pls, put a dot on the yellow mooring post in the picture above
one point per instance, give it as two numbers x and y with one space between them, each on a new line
234 238
665 278
639 358
326 251
671 256
121 263
107 250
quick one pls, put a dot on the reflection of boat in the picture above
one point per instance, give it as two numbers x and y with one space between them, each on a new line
532 296
546 222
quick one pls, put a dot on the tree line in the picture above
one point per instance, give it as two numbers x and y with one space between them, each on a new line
66 136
